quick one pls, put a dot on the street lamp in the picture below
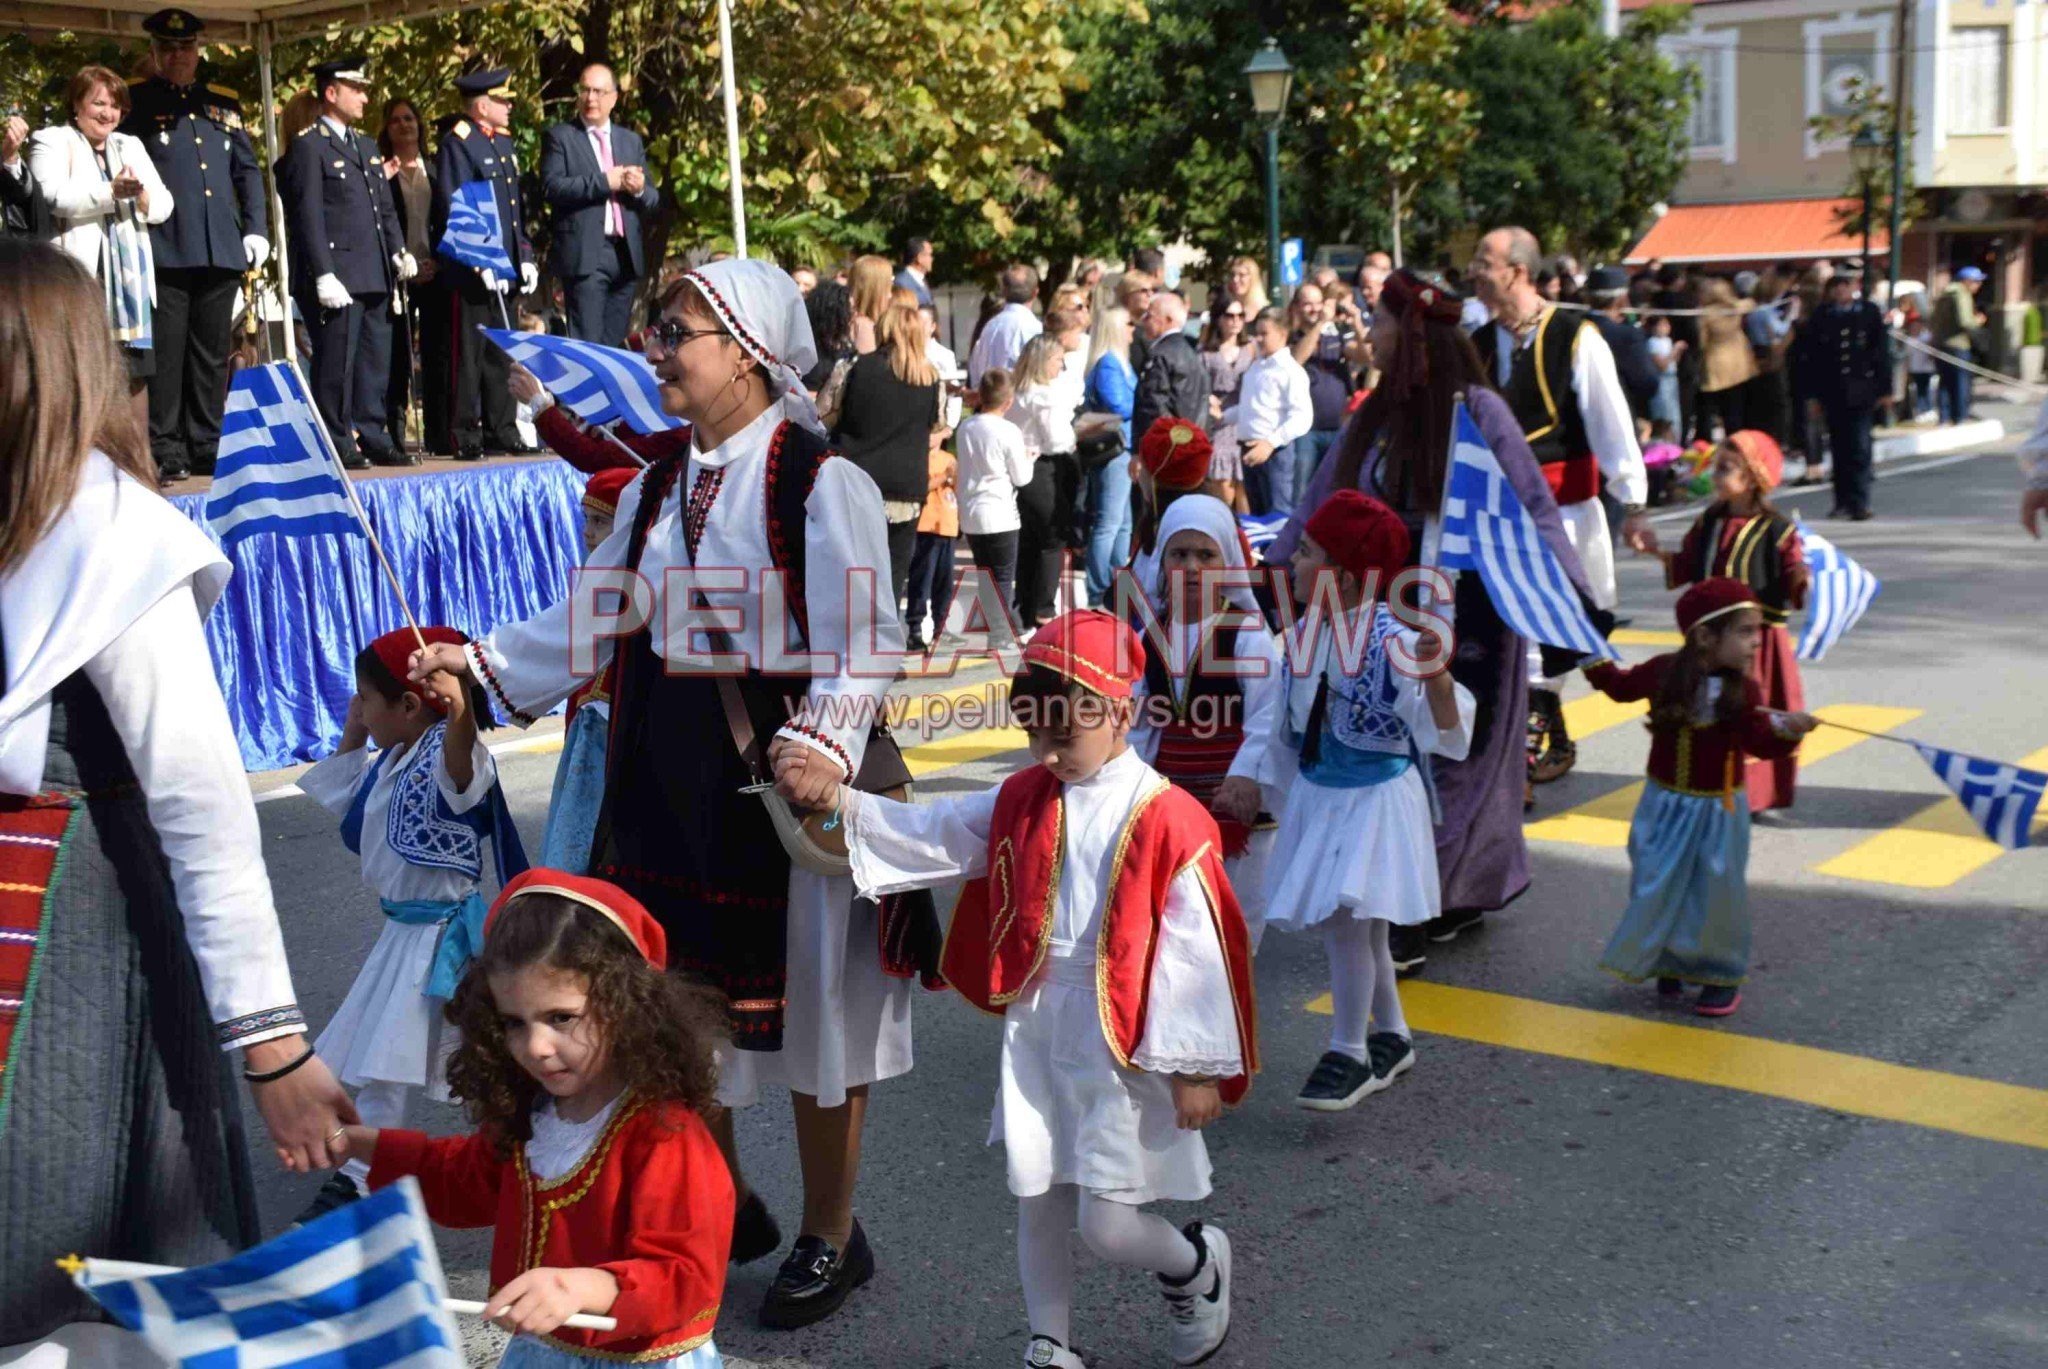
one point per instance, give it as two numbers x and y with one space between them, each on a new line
1867 151
1272 78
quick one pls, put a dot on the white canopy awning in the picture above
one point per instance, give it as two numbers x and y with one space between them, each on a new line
237 25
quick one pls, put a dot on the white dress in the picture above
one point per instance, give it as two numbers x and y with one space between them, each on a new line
387 1029
1066 1112
1371 849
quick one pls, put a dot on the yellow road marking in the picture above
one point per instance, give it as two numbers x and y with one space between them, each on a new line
1605 820
1636 636
1596 713
1956 1103
1933 849
964 748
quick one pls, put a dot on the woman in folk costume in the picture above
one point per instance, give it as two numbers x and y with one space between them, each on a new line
1368 702
1098 922
1396 448
818 985
140 957
1211 689
417 794
1741 537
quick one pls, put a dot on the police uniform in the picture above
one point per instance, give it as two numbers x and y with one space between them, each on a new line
196 137
342 223
479 376
1845 364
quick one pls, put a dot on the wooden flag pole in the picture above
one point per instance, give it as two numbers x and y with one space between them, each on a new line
1863 731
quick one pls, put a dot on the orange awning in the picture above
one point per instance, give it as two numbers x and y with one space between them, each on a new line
1756 230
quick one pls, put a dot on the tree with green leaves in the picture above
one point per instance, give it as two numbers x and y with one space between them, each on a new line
1865 107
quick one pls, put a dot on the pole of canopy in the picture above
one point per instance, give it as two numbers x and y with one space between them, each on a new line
279 252
732 129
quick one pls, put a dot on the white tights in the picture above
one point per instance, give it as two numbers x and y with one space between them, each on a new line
379 1104
1363 991
1117 1232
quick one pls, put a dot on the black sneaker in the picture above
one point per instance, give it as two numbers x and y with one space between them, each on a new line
1448 926
337 1193
1409 947
1337 1083
815 1280
754 1232
1667 987
1392 1054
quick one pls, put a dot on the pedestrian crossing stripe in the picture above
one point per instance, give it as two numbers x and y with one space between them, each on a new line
1636 636
1933 849
1605 820
1854 1084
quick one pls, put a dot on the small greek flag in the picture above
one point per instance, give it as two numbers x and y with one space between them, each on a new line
2000 798
475 235
272 472
360 1288
1486 529
1260 529
598 384
1838 590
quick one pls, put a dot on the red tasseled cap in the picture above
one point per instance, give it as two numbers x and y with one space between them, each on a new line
617 907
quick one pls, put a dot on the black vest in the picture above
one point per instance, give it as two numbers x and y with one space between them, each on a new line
1539 392
1752 558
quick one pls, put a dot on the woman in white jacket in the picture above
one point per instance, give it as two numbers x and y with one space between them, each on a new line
104 192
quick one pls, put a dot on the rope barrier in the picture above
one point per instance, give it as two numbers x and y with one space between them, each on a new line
2033 387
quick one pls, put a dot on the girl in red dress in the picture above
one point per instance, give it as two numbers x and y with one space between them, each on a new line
586 1068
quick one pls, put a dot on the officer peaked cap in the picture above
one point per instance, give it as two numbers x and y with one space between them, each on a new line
175 24
492 82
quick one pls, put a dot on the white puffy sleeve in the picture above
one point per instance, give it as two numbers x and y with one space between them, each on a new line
1610 430
1413 706
1190 1020
158 686
332 783
1264 696
483 774
898 846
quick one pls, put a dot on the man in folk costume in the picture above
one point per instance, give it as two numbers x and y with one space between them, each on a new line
818 985
1558 375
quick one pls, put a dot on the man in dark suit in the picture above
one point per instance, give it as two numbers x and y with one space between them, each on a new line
347 256
593 173
17 187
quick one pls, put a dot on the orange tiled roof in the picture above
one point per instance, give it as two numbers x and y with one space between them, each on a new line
1756 230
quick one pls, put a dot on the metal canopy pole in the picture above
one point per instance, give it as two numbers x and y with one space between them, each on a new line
732 130
279 253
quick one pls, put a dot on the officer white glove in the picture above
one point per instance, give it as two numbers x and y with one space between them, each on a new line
492 283
529 278
258 249
407 268
332 293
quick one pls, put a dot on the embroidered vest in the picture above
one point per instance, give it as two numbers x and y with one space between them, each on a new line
1539 391
424 830
1752 557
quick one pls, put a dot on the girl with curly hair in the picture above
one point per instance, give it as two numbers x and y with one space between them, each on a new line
587 1069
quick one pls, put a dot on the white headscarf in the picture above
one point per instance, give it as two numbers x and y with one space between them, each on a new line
1210 516
764 311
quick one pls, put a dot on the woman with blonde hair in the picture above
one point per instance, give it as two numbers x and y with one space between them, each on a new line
1112 389
1045 412
888 422
137 887
869 280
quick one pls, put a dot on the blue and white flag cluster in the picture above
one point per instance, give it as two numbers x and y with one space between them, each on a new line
1486 529
1838 590
476 235
598 384
1260 529
273 473
360 1288
2000 798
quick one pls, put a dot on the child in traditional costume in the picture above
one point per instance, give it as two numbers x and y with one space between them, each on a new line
1172 462
1348 765
416 805
1209 695
586 1069
1097 920
1741 537
1688 845
578 793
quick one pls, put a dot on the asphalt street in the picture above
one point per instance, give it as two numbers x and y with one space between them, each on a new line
1551 1185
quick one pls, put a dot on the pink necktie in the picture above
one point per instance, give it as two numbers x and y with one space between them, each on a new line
614 218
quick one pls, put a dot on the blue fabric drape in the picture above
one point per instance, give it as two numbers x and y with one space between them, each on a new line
473 548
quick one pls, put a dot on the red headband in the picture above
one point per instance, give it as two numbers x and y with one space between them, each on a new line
609 901
394 652
1415 302
1096 650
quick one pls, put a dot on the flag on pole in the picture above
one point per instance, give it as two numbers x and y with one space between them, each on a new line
1486 529
475 235
360 1287
272 472
1838 590
598 384
1260 529
2000 798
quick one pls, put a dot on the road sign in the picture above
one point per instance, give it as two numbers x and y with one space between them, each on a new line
1290 262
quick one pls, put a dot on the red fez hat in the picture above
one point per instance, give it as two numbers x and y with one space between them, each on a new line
1762 454
1176 452
1096 650
601 493
609 901
1360 534
394 651
1710 599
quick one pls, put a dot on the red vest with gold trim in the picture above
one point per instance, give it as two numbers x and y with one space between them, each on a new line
1002 925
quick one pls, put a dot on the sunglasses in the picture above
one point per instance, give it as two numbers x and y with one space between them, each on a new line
673 333
1233 313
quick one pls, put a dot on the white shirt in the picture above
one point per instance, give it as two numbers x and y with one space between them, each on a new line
601 148
333 784
1610 428
947 363
1045 416
1263 694
1002 341
1273 403
994 464
558 1146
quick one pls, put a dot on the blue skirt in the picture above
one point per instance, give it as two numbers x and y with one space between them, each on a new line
527 1353
578 793
1688 908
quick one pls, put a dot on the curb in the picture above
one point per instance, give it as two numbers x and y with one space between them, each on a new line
1935 441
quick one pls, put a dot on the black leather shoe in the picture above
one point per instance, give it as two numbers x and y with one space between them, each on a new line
354 461
814 1280
754 1232
390 456
169 474
469 453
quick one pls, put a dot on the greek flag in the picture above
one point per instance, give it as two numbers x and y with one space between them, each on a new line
1838 590
1260 529
272 473
1486 529
360 1288
475 236
596 383
1999 798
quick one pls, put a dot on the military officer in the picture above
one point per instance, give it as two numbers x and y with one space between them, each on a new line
347 255
475 146
1845 366
195 135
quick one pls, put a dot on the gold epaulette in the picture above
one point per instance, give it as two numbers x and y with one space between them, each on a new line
225 92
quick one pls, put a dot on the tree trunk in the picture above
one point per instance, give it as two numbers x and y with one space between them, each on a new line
1397 227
